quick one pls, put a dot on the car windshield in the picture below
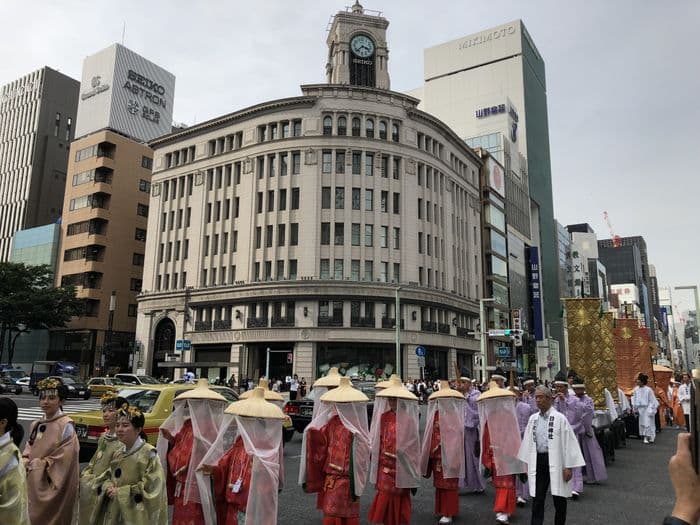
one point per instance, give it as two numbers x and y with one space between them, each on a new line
68 380
148 380
116 381
143 399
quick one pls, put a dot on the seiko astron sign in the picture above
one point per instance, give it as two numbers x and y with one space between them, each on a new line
125 92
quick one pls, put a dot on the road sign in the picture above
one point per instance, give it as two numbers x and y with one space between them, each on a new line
508 332
421 351
516 324
421 361
179 344
503 351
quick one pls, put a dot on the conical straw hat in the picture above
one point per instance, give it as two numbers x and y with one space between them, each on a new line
446 391
387 382
345 393
269 394
202 391
255 406
396 389
495 391
332 378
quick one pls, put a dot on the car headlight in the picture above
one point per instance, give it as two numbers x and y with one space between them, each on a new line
71 387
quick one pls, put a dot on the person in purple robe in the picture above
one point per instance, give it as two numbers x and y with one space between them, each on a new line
473 481
523 411
594 471
528 396
569 405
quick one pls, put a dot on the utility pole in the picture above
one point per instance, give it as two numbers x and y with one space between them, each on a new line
483 330
397 315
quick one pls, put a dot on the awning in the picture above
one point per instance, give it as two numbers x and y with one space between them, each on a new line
196 364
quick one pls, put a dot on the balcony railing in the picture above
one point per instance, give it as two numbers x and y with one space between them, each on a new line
429 326
222 324
443 328
282 322
388 322
464 332
365 322
202 326
256 322
324 320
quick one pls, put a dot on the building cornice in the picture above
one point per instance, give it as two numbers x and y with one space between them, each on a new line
231 118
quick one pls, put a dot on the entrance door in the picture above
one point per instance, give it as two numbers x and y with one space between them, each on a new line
163 343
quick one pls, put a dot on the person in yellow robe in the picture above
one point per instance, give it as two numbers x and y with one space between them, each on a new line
107 446
13 480
132 491
51 458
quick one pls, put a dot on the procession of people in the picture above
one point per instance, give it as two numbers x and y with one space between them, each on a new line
222 463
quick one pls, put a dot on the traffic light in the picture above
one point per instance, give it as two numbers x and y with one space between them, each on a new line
512 332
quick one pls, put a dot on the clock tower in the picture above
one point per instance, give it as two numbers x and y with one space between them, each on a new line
357 51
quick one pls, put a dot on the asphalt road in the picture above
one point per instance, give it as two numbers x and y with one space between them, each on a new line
638 490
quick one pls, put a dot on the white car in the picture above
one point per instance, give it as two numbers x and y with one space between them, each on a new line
24 383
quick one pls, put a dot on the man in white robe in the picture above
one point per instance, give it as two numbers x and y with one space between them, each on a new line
551 450
645 404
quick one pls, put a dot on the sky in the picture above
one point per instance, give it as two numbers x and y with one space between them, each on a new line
622 79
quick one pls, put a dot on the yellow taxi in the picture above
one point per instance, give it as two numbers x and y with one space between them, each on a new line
156 403
99 385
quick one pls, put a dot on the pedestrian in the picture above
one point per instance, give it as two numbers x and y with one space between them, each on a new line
107 445
51 458
473 481
395 445
335 454
13 477
523 411
500 444
185 437
244 463
684 399
499 376
302 388
442 451
676 407
645 405
293 387
568 404
528 395
551 451
594 471
323 385
232 381
133 489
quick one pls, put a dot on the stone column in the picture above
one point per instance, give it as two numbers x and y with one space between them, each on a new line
304 358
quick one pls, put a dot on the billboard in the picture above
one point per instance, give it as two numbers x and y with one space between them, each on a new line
125 92
496 177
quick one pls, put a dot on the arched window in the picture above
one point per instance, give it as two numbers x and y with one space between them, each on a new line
342 126
327 125
355 127
382 129
369 128
395 132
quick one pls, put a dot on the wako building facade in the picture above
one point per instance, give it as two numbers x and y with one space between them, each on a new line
288 228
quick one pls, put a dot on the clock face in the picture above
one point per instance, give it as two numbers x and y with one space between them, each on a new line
362 46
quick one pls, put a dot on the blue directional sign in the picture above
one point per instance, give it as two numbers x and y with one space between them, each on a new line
421 351
179 344
503 351
186 344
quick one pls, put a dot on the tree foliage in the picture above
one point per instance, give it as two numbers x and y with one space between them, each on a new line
28 297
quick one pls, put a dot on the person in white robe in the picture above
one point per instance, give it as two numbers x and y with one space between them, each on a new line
551 450
645 404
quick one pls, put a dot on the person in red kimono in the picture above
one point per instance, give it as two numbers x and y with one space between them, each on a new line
442 453
336 454
395 461
185 437
500 443
247 476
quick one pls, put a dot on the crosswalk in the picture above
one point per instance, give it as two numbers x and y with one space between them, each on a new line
33 413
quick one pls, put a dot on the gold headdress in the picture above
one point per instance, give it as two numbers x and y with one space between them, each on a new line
130 412
108 398
48 387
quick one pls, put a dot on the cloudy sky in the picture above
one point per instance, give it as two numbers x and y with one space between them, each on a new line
622 80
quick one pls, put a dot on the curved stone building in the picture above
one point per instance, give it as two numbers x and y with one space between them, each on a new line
280 235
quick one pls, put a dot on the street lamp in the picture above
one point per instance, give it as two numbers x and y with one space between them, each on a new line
483 332
397 315
697 313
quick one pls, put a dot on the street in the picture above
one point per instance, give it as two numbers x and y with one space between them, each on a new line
638 490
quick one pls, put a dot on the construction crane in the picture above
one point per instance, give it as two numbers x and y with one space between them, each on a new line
616 239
